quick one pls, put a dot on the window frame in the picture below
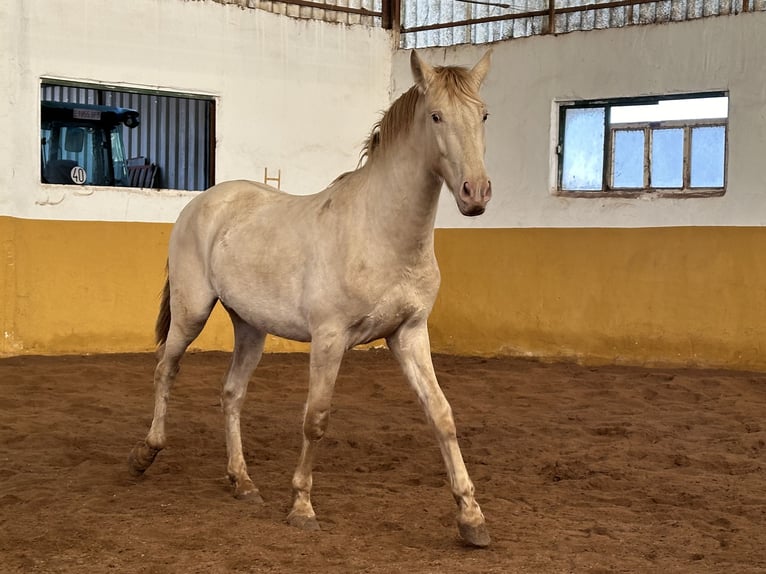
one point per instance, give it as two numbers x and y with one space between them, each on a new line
204 145
688 125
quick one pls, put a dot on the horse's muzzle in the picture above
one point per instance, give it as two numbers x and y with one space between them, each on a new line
474 196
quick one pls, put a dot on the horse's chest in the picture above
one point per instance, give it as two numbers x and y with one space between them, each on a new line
379 312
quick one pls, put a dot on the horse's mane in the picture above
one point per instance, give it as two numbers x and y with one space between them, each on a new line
450 82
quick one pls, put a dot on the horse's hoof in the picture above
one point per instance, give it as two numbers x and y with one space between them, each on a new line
244 489
250 494
474 535
303 522
140 458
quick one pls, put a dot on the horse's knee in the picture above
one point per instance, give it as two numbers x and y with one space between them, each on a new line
232 399
315 423
166 371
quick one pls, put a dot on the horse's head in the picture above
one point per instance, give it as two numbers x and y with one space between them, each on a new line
453 116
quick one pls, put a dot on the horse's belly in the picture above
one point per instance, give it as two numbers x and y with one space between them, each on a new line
274 319
286 316
263 282
284 288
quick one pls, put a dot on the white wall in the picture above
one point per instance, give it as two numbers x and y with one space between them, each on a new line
294 95
301 96
529 75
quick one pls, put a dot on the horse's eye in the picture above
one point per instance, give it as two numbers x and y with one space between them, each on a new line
484 117
436 118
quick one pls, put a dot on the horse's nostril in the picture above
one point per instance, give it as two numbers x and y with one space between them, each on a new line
465 192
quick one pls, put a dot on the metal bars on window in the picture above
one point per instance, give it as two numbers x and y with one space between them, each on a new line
176 133
447 22
424 23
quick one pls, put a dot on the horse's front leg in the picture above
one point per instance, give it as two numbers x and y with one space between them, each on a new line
326 355
411 347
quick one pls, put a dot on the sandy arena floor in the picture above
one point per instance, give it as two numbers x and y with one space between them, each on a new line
577 470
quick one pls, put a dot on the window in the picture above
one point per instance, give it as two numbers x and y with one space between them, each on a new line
101 136
673 145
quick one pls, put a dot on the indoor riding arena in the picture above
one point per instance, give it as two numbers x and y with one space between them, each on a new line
580 387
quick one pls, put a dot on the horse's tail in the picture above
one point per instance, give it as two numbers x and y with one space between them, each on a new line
162 326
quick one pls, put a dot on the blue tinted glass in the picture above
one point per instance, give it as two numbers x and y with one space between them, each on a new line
583 150
628 160
708 153
667 158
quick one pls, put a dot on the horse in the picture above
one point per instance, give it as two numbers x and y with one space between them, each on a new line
345 266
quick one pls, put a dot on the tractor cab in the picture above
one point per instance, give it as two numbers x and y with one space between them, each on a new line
82 144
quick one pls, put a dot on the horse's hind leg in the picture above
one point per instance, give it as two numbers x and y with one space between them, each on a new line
188 317
248 348
410 345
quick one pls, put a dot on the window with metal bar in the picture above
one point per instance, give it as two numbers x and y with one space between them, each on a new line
671 146
448 22
99 135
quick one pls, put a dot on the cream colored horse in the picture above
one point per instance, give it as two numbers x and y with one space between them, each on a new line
345 266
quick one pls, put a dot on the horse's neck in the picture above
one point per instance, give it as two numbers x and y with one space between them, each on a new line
402 196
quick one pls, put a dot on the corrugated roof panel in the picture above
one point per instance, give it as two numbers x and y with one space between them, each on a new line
424 13
313 12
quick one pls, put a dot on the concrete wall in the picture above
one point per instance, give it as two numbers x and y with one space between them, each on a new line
645 280
602 280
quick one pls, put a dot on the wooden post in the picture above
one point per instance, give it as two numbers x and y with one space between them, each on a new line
267 178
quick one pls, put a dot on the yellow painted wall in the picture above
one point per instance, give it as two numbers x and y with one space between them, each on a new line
640 296
89 287
684 296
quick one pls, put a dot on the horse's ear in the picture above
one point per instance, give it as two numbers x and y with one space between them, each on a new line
421 72
479 71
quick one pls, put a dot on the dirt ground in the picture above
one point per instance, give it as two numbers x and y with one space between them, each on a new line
577 469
